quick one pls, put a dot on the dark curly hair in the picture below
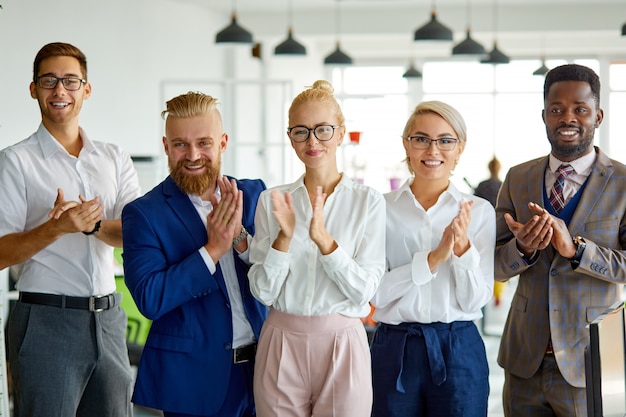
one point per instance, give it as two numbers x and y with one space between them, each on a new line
573 72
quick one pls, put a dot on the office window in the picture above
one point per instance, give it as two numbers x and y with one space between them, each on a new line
617 106
501 105
374 101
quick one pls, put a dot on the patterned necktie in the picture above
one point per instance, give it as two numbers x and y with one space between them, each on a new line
556 196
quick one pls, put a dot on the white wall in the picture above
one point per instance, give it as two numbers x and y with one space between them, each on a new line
134 49
131 46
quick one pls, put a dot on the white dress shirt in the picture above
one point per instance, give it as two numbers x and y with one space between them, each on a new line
30 173
303 281
242 330
582 168
460 287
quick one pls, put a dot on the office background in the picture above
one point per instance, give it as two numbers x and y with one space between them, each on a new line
142 52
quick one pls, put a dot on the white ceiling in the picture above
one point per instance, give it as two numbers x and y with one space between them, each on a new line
383 29
248 6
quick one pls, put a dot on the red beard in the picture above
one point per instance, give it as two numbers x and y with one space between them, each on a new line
195 184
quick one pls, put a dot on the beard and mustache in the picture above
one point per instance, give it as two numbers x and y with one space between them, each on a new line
195 184
571 150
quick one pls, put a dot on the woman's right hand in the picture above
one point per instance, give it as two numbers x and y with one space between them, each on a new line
285 217
443 251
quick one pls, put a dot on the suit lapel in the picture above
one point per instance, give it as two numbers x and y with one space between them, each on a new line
536 180
596 184
182 207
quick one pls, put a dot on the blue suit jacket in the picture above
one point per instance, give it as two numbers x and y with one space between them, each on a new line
186 362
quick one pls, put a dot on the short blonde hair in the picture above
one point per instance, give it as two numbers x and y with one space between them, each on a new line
321 91
443 110
191 104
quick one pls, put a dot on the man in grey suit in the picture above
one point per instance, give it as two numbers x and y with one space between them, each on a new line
565 236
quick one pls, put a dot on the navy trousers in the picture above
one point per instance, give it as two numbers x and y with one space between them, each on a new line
437 369
239 401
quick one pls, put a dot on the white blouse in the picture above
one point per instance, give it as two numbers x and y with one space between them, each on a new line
460 287
305 282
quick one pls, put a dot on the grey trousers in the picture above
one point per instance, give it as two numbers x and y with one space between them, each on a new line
69 363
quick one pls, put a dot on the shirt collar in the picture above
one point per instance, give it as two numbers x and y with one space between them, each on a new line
50 146
405 188
580 165
197 201
343 182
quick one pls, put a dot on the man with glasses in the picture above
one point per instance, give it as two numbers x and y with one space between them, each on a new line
67 349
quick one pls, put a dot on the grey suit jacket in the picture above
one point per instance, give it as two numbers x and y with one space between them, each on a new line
552 299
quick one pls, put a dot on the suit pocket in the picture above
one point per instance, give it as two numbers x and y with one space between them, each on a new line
519 303
602 225
169 342
594 312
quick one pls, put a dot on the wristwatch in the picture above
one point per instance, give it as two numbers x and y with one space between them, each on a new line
242 235
580 244
95 228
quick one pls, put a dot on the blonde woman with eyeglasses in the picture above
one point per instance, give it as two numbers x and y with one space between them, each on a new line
428 358
318 257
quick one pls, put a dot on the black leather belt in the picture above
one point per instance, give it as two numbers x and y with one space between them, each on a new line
244 354
93 303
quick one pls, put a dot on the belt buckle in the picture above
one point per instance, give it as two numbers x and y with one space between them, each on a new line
244 354
92 303
236 360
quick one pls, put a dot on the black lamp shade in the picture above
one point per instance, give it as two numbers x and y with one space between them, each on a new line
290 46
433 31
233 33
468 47
542 70
624 30
496 56
338 57
412 72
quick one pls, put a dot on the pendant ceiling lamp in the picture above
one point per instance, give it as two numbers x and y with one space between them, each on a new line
542 70
412 72
495 56
468 46
233 33
290 46
337 57
433 30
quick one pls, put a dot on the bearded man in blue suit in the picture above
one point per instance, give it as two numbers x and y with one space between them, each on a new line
186 264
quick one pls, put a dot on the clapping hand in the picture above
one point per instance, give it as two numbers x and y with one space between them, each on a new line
536 234
224 221
75 216
454 238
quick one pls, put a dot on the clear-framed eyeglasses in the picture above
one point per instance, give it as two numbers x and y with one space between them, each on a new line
70 83
322 133
443 144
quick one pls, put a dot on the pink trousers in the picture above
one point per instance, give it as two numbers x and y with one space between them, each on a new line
312 366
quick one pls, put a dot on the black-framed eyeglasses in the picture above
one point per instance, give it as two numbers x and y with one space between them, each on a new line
421 142
322 133
70 83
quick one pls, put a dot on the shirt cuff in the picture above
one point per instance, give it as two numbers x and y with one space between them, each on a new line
531 259
208 261
420 272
